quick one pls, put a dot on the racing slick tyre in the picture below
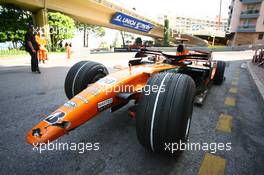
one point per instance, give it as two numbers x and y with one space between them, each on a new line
219 74
81 75
164 116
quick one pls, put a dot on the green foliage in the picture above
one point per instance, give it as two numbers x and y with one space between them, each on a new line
149 43
12 52
13 24
104 45
138 41
166 33
92 29
61 27
126 38
116 42
89 29
216 46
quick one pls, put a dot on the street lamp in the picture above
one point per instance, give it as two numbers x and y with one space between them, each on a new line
219 16
219 20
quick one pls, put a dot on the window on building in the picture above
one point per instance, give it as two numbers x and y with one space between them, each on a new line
251 7
247 22
261 36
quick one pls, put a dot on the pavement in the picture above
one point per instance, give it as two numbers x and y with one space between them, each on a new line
232 114
60 60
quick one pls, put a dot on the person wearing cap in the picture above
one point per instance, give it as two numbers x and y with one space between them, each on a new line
32 48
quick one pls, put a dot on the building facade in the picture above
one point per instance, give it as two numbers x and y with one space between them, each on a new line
246 20
195 26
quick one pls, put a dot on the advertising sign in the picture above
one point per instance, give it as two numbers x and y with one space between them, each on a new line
124 20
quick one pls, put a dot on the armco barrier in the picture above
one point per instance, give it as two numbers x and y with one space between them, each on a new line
189 47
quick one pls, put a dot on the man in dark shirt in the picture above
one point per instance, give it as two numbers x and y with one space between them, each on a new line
32 48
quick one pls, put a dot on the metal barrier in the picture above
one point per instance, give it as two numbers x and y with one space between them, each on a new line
219 49
259 57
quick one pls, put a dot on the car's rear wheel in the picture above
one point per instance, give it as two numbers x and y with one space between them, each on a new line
164 116
219 74
81 75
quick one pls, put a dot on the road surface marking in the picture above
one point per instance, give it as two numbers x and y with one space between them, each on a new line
236 77
233 90
224 123
212 165
234 83
229 101
236 74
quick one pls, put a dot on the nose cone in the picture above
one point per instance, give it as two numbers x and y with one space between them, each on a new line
42 133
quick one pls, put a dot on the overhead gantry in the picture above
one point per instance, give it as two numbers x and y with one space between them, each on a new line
96 12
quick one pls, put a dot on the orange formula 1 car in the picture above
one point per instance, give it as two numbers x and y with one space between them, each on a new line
163 88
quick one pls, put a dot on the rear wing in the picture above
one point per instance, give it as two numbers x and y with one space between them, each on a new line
201 55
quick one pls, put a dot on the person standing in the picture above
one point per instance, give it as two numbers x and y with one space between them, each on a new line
68 49
42 53
32 48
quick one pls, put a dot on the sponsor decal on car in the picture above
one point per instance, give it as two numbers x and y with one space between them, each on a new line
93 90
70 104
107 80
104 104
82 98
55 117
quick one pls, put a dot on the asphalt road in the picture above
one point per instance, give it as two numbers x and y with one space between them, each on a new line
27 98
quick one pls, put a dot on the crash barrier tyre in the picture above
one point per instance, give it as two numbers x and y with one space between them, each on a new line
164 116
81 75
219 74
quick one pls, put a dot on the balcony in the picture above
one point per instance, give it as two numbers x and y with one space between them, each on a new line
251 1
246 28
249 14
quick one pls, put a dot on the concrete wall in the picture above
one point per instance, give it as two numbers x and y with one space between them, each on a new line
235 15
250 37
247 39
236 21
260 22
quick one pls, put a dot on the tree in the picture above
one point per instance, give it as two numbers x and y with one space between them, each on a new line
61 27
123 38
125 35
89 29
166 33
116 42
104 45
13 24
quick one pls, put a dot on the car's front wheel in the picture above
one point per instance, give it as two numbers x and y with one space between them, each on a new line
164 116
81 75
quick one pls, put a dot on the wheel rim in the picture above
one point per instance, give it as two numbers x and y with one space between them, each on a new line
187 128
